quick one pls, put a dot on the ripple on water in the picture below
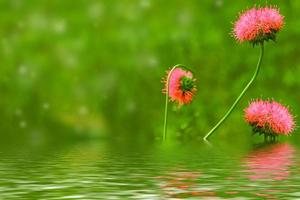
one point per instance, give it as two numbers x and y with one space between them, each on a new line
123 175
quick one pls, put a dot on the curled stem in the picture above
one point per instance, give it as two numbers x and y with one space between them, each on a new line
241 94
167 100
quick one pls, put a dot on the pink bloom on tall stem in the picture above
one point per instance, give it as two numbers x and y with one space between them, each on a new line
269 118
258 24
181 86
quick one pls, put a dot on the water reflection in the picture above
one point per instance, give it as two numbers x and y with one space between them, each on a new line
270 162
183 183
115 171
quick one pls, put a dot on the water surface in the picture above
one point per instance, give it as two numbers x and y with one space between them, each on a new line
124 170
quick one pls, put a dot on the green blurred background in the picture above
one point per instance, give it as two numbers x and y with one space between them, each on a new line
92 69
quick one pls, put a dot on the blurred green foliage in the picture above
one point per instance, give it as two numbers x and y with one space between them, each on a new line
94 68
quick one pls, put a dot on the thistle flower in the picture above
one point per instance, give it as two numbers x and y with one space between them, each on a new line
269 118
258 24
181 86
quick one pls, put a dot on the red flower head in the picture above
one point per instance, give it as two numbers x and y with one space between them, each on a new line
269 117
258 24
181 86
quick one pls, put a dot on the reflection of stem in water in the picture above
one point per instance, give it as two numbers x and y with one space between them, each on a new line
270 138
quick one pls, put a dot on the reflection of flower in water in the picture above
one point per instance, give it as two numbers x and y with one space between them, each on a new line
183 184
270 162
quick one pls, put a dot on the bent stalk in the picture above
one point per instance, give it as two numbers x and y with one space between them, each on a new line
167 100
241 94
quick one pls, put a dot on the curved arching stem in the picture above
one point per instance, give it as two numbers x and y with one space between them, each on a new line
167 100
241 94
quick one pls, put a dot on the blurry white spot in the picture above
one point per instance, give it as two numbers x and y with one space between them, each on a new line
37 21
18 112
71 61
145 4
67 58
95 11
148 60
35 137
59 26
32 74
131 106
108 82
16 3
6 46
78 44
54 187
83 110
184 18
46 106
73 197
152 62
21 24
22 70
219 3
23 124
78 129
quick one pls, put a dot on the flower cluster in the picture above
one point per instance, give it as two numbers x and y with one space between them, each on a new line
269 118
258 24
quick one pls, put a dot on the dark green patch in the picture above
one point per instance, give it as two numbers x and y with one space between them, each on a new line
264 37
187 84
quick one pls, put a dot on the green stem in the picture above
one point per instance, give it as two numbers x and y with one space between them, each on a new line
240 96
167 100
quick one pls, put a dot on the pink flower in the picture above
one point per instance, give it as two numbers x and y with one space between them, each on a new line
181 86
269 118
258 24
